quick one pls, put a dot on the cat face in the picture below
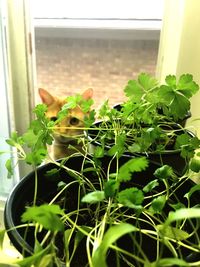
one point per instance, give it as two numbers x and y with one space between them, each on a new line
69 126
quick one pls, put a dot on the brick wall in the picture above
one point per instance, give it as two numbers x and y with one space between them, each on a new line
67 66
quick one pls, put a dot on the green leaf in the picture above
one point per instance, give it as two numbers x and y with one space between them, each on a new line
187 86
157 204
111 187
63 113
195 164
34 259
40 110
179 106
133 165
147 81
46 261
89 119
9 167
177 103
150 186
99 152
104 109
164 172
113 233
182 139
46 215
14 139
119 147
134 90
36 157
172 232
86 104
171 80
94 197
30 138
2 234
131 197
183 214
134 148
72 102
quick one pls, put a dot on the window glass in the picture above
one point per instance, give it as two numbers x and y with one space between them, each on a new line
98 44
126 9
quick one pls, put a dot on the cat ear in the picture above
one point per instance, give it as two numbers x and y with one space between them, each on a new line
46 97
87 94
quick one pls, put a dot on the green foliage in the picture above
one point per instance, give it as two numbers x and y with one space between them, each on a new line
119 147
195 164
99 152
164 172
150 186
2 234
172 232
89 119
113 233
46 215
9 167
133 165
188 144
131 197
182 214
172 97
36 258
144 123
93 197
111 188
158 204
176 94
138 89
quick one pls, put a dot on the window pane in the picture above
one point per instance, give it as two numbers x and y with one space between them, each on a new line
99 50
126 9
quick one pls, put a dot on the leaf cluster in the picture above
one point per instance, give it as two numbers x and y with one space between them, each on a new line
150 120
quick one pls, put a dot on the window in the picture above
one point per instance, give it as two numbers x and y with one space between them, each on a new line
98 44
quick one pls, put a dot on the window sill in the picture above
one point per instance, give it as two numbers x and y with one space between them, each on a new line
98 28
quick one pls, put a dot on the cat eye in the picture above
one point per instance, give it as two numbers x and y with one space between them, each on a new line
74 121
53 118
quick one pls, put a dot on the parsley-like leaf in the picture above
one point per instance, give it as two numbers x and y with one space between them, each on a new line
45 215
133 165
131 197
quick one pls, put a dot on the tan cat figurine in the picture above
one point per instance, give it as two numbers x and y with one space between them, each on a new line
67 130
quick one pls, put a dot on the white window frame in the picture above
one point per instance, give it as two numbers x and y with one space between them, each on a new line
18 78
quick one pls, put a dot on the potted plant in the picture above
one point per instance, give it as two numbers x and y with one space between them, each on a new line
149 122
100 210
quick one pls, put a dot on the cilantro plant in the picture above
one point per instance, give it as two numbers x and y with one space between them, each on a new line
150 120
106 212
106 208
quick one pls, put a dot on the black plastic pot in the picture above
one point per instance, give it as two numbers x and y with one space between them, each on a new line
22 195
170 156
